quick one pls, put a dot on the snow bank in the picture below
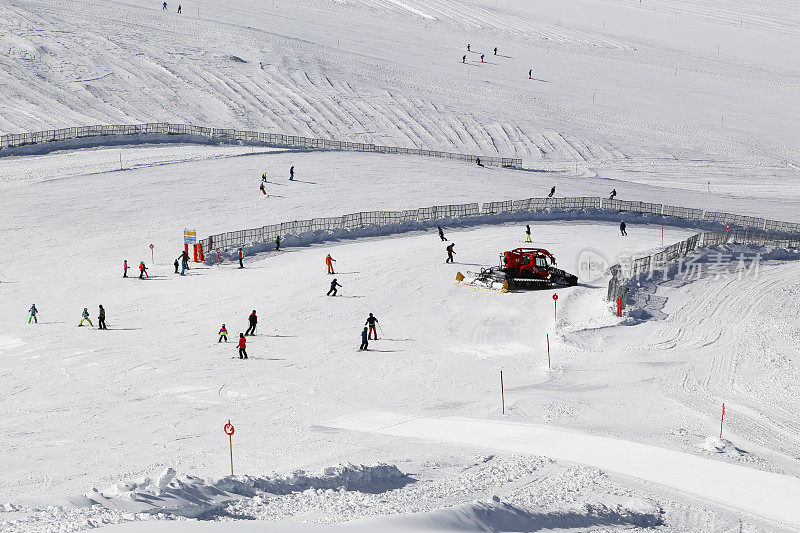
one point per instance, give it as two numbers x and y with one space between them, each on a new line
645 303
190 496
560 215
477 516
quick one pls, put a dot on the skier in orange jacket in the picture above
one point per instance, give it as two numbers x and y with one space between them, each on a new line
329 261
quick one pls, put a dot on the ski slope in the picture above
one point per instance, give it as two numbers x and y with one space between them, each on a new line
689 103
761 493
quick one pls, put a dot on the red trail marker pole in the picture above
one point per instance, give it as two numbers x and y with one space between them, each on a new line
619 307
502 393
229 431
152 258
555 306
721 420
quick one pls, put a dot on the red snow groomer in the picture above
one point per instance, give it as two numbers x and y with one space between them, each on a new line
520 269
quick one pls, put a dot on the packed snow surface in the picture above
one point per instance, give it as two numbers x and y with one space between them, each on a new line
691 103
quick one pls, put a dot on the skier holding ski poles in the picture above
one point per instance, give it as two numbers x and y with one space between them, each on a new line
334 285
371 322
33 312
253 319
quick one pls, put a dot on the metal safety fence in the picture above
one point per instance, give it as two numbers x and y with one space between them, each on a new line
15 140
777 232
621 274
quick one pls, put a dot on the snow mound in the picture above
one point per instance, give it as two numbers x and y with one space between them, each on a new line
715 444
190 496
500 516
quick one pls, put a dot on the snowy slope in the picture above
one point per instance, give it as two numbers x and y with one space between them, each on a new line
616 84
627 95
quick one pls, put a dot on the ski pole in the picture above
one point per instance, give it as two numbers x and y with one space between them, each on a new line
380 328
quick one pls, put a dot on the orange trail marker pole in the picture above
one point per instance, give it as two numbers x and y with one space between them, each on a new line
548 350
722 420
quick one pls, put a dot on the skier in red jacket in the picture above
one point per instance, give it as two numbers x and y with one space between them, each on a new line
242 344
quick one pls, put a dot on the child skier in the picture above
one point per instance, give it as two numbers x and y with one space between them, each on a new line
364 341
223 333
142 270
264 177
372 321
125 268
528 233
176 266
333 291
85 316
450 252
33 311
278 243
291 174
262 189
329 261
242 345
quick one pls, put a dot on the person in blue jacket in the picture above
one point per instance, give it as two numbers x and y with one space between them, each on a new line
364 341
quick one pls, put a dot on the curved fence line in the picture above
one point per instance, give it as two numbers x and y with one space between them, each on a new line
239 239
15 140
622 274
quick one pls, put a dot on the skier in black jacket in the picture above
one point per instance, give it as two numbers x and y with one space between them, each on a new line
334 284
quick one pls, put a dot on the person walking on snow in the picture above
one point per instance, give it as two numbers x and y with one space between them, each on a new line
241 255
179 9
552 192
125 268
85 316
371 322
101 318
528 233
329 261
622 227
291 173
184 257
223 333
142 270
613 194
33 312
450 252
334 284
176 266
364 341
278 243
441 234
242 345
253 319
262 189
